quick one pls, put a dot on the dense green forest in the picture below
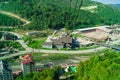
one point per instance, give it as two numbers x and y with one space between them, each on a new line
9 21
46 74
105 67
55 14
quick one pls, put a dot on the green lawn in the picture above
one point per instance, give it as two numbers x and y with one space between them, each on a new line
37 43
40 57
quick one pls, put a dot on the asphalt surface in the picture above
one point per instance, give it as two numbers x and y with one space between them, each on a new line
31 50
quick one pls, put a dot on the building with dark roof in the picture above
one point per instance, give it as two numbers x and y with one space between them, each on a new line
63 41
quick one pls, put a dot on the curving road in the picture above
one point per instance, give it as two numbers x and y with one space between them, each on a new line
53 51
29 50
16 16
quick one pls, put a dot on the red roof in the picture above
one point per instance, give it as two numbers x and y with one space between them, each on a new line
27 56
28 59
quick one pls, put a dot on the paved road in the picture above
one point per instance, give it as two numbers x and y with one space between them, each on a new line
29 50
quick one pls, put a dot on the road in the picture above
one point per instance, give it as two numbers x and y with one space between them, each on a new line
29 50
16 16
53 51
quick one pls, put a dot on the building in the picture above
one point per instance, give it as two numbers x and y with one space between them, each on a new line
28 65
8 36
98 34
5 72
48 45
63 41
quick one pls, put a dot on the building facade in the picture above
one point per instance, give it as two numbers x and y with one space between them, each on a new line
63 41
28 65
5 72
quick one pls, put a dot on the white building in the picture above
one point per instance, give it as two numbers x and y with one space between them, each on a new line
5 72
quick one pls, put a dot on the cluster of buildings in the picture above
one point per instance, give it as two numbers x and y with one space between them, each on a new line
91 36
63 41
27 66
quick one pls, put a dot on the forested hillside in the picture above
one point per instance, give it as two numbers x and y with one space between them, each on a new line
9 21
55 14
46 74
105 67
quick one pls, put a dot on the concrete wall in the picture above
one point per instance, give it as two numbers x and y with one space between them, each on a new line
59 46
47 46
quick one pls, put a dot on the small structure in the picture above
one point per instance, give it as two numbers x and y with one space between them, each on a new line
48 43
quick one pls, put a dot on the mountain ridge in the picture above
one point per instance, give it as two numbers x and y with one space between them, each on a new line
116 5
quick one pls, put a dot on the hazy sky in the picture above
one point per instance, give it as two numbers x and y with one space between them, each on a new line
109 1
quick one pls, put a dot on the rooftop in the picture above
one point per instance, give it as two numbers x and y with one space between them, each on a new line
27 59
98 34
